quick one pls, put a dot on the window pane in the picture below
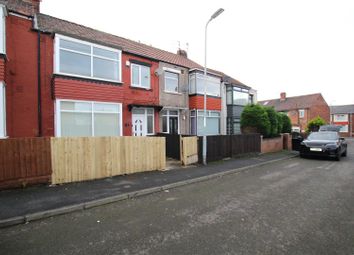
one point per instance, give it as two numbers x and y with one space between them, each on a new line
164 124
193 126
2 32
76 124
214 114
150 124
145 76
192 113
211 128
240 98
150 111
106 107
171 85
135 75
105 69
229 97
172 112
74 63
105 53
138 111
164 112
192 84
106 124
75 46
75 106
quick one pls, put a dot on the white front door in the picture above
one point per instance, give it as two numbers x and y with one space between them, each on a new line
139 125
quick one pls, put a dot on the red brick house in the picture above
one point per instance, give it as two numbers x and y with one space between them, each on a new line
300 109
58 78
343 115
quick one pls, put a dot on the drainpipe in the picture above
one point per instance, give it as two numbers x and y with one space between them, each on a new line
39 103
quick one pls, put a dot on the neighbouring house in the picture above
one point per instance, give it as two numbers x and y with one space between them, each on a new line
237 96
59 78
300 109
343 115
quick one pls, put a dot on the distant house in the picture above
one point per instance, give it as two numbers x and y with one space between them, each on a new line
301 109
343 115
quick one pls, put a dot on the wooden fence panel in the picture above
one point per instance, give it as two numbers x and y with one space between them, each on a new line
189 150
24 161
87 158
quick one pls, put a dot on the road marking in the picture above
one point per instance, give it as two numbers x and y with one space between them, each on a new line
292 165
330 166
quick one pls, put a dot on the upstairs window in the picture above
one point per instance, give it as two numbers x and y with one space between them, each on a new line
197 84
238 96
171 82
83 59
140 76
2 31
301 113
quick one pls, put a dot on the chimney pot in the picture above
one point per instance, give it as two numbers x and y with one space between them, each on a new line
282 96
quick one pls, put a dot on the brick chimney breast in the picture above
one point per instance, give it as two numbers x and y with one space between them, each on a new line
35 4
282 96
182 53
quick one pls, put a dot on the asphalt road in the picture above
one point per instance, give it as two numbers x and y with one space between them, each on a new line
298 206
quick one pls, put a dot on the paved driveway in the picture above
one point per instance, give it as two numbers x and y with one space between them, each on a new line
298 206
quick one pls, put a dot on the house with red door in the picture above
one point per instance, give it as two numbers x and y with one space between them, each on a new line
300 109
59 78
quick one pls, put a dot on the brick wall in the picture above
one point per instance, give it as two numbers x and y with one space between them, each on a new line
271 144
197 102
2 68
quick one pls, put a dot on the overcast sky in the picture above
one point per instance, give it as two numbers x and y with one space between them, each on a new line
296 46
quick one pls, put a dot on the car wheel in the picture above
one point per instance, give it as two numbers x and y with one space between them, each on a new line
337 157
344 154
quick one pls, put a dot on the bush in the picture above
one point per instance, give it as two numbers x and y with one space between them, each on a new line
314 124
280 122
286 123
273 119
256 116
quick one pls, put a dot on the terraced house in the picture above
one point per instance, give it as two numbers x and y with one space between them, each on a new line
58 78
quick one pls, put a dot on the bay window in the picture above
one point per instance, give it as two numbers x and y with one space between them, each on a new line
237 96
2 30
197 83
84 59
212 126
2 111
81 118
140 76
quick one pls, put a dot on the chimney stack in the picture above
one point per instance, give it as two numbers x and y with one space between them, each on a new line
282 96
182 53
35 5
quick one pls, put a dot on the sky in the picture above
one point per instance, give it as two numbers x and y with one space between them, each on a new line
298 47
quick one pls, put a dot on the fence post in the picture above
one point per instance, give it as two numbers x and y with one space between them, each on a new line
204 150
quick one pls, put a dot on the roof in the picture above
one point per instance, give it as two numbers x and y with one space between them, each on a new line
50 24
298 102
337 109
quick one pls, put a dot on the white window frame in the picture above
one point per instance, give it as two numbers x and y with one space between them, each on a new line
200 113
146 114
58 112
193 88
140 83
170 78
168 115
2 30
2 110
301 113
57 57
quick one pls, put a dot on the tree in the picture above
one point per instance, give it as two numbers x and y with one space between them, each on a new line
255 116
272 115
286 123
314 124
280 122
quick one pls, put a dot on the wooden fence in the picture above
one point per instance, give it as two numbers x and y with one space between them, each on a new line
172 145
87 158
24 161
189 150
226 146
62 160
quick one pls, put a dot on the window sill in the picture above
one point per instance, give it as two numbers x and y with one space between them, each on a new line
173 93
140 88
88 79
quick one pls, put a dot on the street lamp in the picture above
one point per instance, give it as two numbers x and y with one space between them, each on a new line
216 14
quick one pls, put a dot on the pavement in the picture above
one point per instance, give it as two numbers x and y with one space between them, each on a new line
295 206
33 203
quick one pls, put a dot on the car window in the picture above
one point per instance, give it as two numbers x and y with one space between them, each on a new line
323 136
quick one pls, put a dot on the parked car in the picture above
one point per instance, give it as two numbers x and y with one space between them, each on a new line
324 143
330 128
